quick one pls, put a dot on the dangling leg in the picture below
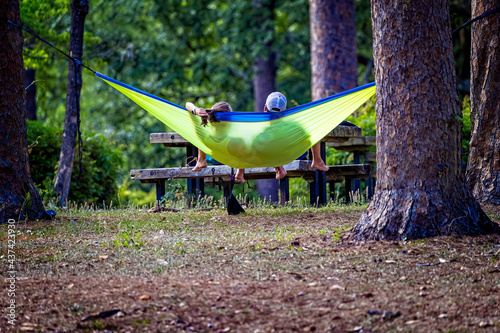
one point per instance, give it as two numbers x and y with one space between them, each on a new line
317 162
240 176
201 163
280 172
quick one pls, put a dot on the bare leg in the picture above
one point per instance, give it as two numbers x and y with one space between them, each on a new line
317 162
240 176
280 172
201 163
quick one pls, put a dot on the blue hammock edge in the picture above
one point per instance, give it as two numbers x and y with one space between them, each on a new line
242 116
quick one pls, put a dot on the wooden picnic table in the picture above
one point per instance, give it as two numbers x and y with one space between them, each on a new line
342 136
359 147
317 188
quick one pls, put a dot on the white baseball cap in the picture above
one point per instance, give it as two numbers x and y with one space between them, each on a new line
276 101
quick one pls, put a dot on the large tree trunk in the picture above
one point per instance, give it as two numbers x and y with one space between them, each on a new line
79 9
420 188
483 170
264 75
30 86
19 197
264 70
333 63
333 47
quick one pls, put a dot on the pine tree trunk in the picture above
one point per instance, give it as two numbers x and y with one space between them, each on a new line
333 47
19 197
264 77
483 170
420 188
30 86
79 9
333 61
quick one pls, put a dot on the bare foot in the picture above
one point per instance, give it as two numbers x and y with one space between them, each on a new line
280 172
200 165
320 165
240 176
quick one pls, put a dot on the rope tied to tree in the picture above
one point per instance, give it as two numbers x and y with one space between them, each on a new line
76 61
472 20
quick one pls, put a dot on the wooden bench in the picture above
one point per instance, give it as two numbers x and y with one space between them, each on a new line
295 169
196 180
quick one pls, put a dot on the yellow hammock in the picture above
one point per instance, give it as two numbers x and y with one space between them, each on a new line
254 139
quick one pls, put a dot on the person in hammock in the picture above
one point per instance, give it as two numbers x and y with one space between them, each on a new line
276 102
201 162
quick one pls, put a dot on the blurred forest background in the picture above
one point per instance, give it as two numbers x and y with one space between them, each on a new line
200 51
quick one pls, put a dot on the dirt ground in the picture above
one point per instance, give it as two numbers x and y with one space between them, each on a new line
262 272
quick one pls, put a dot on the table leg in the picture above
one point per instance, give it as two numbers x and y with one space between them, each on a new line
355 182
284 191
318 186
160 190
195 186
331 186
348 190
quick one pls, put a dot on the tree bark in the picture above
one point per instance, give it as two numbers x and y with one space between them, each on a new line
421 191
333 47
483 170
333 60
19 197
30 87
264 78
79 9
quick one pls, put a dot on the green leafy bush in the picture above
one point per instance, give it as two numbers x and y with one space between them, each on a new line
45 147
101 164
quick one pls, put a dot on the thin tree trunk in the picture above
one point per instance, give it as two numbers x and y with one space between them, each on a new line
333 47
30 87
264 76
79 9
483 170
420 188
19 197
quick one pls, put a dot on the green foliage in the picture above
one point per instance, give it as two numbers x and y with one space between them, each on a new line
174 191
128 195
48 19
102 162
45 147
466 128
